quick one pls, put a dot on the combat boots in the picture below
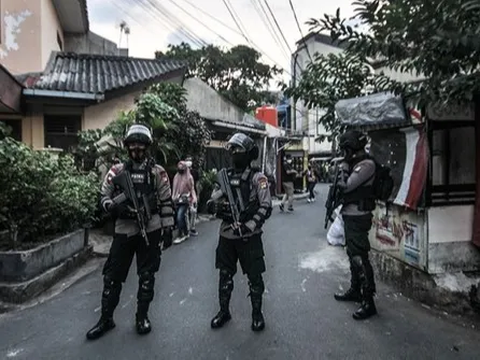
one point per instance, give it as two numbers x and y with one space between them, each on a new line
366 310
103 325
110 299
142 323
257 288
225 288
258 322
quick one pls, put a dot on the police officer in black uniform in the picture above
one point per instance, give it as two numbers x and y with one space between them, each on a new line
150 182
243 241
356 179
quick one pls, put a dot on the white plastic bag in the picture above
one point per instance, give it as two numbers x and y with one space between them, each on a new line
336 233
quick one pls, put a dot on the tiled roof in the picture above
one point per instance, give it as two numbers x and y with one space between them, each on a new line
98 74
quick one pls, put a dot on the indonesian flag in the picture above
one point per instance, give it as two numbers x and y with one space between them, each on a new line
415 168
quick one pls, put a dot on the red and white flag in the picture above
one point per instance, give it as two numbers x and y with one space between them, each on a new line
405 152
415 168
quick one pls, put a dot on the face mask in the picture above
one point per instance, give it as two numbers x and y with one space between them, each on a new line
189 163
181 171
240 160
289 161
137 152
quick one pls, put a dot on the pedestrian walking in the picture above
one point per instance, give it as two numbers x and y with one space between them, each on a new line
198 189
311 177
183 196
288 178
151 186
242 241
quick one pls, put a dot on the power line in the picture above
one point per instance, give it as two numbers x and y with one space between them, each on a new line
118 5
151 10
278 26
201 23
235 21
213 17
299 27
254 45
268 25
180 26
238 18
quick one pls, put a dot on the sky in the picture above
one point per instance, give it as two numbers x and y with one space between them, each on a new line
151 31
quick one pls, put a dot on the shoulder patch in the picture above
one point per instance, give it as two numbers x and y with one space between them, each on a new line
164 175
114 171
263 182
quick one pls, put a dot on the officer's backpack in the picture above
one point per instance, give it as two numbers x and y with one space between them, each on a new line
382 183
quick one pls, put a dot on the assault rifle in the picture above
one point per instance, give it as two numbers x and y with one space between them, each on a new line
143 215
224 182
333 197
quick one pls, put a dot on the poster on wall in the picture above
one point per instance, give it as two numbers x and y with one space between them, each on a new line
400 233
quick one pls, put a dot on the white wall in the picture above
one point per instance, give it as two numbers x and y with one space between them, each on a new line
450 224
50 28
211 105
307 120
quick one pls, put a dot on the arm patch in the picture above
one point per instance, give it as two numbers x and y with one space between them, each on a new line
263 183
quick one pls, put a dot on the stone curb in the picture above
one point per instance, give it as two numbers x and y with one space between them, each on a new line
15 295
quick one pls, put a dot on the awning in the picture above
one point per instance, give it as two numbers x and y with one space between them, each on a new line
247 129
381 109
10 93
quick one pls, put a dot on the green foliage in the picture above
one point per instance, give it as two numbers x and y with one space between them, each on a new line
237 73
437 39
190 133
206 183
87 152
171 94
5 130
176 131
42 196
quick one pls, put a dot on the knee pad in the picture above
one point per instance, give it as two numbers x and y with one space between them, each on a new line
111 286
256 284
357 261
226 281
146 283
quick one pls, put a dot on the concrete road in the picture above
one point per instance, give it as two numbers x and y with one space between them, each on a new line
303 319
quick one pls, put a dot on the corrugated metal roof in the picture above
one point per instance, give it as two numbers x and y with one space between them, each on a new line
86 73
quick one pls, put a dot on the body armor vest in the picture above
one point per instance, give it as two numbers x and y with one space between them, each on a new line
364 195
241 185
143 184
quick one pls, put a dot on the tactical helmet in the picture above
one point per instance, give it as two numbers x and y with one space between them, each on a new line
138 133
353 140
245 142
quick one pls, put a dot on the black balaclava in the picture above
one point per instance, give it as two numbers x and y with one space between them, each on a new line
240 160
137 152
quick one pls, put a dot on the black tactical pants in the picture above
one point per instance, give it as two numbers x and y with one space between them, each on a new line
250 254
118 264
358 247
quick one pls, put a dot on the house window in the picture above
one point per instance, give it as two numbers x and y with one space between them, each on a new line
61 131
452 163
16 127
59 41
